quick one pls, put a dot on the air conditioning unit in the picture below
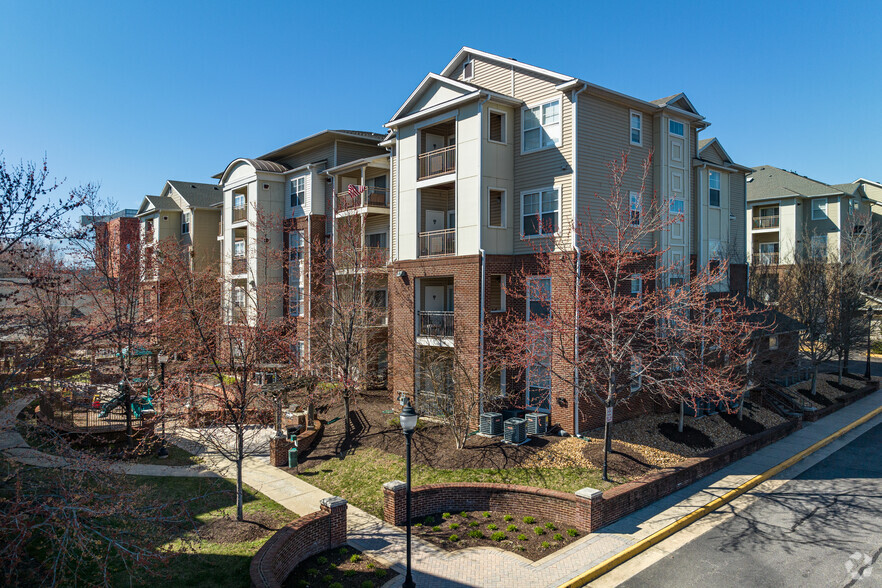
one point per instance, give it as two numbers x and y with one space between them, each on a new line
515 431
491 424
537 423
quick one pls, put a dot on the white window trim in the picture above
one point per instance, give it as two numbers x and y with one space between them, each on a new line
503 384
637 280
464 63
639 209
822 208
631 128
524 109
244 248
530 289
504 126
720 189
773 342
504 224
637 384
186 220
502 296
683 134
292 191
559 202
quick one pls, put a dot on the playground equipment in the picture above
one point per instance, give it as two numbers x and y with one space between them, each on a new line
141 406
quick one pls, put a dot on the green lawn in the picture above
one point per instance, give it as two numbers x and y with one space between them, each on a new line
359 477
208 563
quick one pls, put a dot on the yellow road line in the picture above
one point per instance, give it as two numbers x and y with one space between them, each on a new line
662 534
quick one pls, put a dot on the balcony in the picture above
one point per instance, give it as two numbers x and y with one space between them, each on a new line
765 258
437 163
240 213
766 222
438 243
371 197
436 323
240 265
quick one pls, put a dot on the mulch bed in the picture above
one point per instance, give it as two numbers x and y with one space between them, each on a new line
343 567
690 436
533 539
746 425
623 462
821 399
433 444
257 525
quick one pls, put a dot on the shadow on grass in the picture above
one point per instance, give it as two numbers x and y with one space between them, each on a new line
198 570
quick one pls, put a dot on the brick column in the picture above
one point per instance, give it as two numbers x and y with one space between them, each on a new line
279 447
337 507
395 502
591 515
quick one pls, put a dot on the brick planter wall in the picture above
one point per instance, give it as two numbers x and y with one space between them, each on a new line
841 402
517 500
298 540
587 509
279 446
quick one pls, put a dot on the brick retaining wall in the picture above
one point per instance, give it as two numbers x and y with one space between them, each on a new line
298 540
841 402
279 446
588 509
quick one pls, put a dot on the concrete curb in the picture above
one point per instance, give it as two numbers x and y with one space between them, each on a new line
662 534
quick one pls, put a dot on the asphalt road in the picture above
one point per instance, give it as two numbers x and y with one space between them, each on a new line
823 528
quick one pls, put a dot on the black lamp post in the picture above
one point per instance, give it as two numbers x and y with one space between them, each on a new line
869 373
162 359
408 419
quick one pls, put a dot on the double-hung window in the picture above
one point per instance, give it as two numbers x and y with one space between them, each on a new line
636 285
713 188
298 191
538 297
239 200
540 212
677 209
636 373
239 297
239 248
636 128
541 126
636 206
185 223
819 246
819 208
295 273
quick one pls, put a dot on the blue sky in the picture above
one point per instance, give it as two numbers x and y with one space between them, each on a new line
131 94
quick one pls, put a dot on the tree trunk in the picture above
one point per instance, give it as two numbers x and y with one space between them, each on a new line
130 434
814 379
346 415
240 457
607 444
840 368
741 406
682 415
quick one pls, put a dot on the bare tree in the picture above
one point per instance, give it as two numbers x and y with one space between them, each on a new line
624 318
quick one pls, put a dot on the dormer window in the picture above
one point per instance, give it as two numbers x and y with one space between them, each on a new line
468 69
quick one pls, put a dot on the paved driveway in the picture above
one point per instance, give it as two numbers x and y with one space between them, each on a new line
823 528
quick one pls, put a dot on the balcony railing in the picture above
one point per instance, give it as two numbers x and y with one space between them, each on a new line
240 265
240 213
438 243
376 197
436 323
438 162
765 222
765 258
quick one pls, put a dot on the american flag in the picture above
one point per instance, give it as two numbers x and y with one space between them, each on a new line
355 191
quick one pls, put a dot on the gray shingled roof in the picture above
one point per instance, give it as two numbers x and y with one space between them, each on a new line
159 203
198 195
850 189
665 100
267 166
702 143
768 181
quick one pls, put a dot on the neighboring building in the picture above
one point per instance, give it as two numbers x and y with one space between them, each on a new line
786 210
480 151
284 202
117 242
185 216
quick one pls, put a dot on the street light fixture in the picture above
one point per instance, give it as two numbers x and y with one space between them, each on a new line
408 420
162 359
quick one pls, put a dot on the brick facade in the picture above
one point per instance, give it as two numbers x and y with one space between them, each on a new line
298 540
118 246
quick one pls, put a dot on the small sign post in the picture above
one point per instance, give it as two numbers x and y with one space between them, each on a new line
609 414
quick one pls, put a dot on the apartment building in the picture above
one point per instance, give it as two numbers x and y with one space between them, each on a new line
185 218
116 241
786 211
286 201
492 156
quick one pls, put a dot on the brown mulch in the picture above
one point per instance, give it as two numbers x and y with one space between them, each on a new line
257 525
344 565
828 390
689 436
433 445
453 533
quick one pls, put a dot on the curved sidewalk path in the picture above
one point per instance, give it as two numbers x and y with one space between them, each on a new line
15 447
489 567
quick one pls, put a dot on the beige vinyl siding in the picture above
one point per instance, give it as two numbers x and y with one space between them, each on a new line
377 223
490 75
203 227
604 135
347 151
737 207
713 155
393 185
315 155
697 195
329 205
544 168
